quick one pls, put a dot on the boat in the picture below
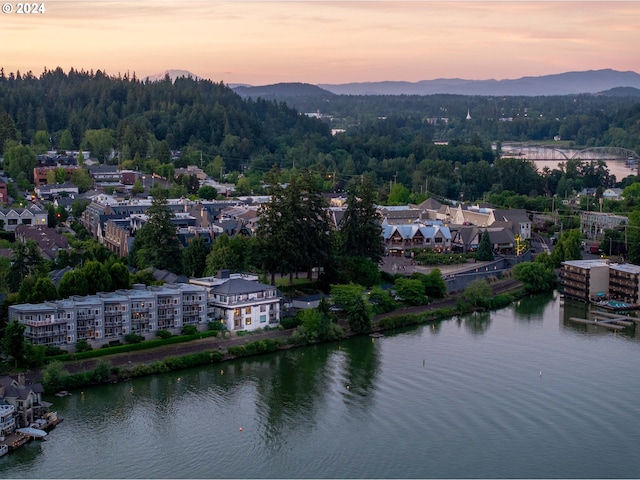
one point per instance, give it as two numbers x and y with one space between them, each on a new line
33 432
3 450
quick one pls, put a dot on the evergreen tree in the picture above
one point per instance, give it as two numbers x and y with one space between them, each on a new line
26 260
276 231
156 243
194 257
13 342
485 249
360 229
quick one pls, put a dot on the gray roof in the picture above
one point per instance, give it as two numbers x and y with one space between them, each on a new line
240 285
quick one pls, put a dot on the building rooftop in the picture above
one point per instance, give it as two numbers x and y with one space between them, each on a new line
587 264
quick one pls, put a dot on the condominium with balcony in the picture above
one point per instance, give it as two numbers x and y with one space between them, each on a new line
591 280
624 282
110 316
240 302
585 280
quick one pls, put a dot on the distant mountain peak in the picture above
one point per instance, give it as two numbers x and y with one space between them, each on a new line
568 83
173 74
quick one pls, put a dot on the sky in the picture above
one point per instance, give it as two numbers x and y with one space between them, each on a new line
322 42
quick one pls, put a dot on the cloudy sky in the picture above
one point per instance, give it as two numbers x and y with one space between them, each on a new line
263 42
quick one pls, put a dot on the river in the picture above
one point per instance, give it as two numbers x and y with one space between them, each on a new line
517 393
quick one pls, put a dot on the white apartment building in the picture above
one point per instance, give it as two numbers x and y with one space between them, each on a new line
240 301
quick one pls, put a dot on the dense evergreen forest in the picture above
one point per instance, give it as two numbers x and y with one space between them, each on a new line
238 140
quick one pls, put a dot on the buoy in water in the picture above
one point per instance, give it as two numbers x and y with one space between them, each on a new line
240 428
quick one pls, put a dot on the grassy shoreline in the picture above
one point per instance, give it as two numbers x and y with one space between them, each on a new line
55 377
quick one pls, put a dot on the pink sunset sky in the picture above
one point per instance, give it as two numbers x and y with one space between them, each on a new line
265 42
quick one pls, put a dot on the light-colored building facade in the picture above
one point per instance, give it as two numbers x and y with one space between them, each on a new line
34 215
593 224
585 280
110 316
241 302
624 282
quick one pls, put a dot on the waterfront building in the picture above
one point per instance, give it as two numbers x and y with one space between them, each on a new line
25 400
240 301
108 317
585 279
624 282
592 280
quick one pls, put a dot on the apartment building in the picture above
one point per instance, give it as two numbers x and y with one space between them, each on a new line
591 280
624 283
240 301
110 316
585 280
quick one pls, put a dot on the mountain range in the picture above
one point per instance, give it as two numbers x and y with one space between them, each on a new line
591 81
606 81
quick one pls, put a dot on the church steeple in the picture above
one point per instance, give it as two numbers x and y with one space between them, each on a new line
468 115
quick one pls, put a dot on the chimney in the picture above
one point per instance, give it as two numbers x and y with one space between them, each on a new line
223 273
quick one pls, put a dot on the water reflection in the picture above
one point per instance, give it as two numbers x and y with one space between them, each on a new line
362 363
477 322
572 309
532 307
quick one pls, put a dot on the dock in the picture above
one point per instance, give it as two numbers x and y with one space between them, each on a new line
609 320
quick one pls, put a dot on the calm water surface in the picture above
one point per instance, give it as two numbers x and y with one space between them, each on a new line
461 399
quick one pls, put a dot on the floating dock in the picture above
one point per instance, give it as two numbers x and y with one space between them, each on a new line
609 320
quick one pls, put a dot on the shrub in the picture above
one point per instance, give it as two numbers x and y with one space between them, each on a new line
83 346
101 373
133 338
52 351
189 330
216 326
55 377
290 322
164 334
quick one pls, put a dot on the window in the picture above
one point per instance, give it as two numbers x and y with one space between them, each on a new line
247 310
263 308
263 318
247 321
236 311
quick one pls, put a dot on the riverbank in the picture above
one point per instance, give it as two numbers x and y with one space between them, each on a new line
218 347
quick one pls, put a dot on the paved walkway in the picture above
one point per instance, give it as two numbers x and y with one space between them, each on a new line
213 343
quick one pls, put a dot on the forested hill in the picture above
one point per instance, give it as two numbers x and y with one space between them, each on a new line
198 113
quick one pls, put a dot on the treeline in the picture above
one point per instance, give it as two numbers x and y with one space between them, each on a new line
585 119
236 140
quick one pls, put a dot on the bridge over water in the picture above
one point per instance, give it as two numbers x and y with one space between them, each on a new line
553 153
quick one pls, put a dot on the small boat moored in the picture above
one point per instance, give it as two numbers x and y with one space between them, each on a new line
33 432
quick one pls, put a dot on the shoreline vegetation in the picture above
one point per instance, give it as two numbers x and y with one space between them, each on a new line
181 352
